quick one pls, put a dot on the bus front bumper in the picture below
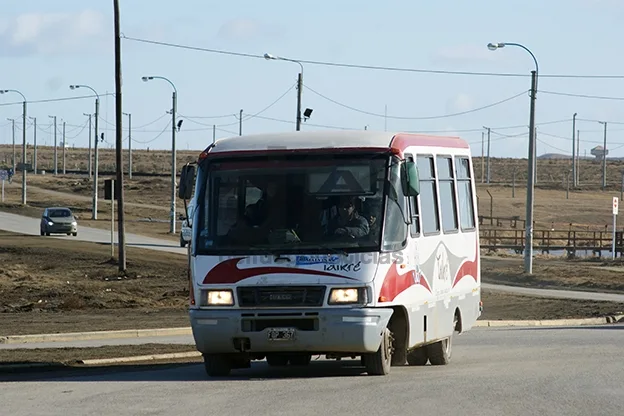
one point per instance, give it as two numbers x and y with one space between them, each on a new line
353 330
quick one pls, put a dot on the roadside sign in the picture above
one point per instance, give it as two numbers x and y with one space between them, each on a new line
4 175
615 205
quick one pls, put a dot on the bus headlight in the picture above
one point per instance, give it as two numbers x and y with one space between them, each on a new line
219 297
345 296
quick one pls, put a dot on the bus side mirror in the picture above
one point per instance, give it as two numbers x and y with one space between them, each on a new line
411 179
187 178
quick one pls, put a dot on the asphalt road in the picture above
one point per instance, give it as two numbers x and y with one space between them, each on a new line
28 225
513 371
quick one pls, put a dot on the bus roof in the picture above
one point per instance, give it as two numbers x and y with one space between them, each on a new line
314 140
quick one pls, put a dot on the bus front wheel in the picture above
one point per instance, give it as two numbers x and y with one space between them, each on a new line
379 362
217 365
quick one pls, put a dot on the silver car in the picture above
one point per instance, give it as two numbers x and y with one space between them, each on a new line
58 220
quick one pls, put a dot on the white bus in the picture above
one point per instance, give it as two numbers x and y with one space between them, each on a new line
342 244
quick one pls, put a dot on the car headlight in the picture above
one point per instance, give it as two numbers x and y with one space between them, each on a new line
50 223
74 223
219 297
345 296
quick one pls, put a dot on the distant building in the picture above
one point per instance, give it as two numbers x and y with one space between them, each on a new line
599 152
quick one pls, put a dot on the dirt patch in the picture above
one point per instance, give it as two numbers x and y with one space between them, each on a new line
55 322
43 275
75 355
503 306
548 273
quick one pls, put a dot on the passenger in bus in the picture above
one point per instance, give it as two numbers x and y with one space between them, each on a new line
348 223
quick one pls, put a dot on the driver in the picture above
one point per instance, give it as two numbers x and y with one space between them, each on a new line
348 223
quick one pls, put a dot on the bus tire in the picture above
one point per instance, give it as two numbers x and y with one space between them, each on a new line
380 362
441 351
217 365
277 360
418 356
300 360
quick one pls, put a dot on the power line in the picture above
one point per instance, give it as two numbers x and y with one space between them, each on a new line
371 67
415 118
567 94
253 115
53 100
155 138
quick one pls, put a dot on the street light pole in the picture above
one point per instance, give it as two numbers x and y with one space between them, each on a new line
528 252
95 177
172 226
268 56
24 116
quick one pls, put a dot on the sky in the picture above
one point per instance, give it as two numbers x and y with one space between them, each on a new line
47 45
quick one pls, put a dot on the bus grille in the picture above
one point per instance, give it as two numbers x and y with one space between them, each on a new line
281 296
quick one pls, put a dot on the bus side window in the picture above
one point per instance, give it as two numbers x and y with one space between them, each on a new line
448 202
430 218
413 208
464 191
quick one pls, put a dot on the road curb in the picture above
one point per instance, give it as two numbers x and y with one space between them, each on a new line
553 322
136 358
163 332
95 335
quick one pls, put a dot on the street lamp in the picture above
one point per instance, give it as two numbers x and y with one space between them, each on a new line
268 57
95 178
172 227
23 143
528 252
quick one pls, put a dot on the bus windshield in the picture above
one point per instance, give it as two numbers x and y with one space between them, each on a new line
312 205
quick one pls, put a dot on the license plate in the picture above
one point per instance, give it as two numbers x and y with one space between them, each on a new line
281 334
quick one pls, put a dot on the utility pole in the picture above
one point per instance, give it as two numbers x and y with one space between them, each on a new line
55 147
64 148
23 154
578 156
488 154
34 119
90 138
13 132
119 141
299 92
573 151
482 156
214 133
240 123
174 172
129 144
528 254
96 162
604 157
